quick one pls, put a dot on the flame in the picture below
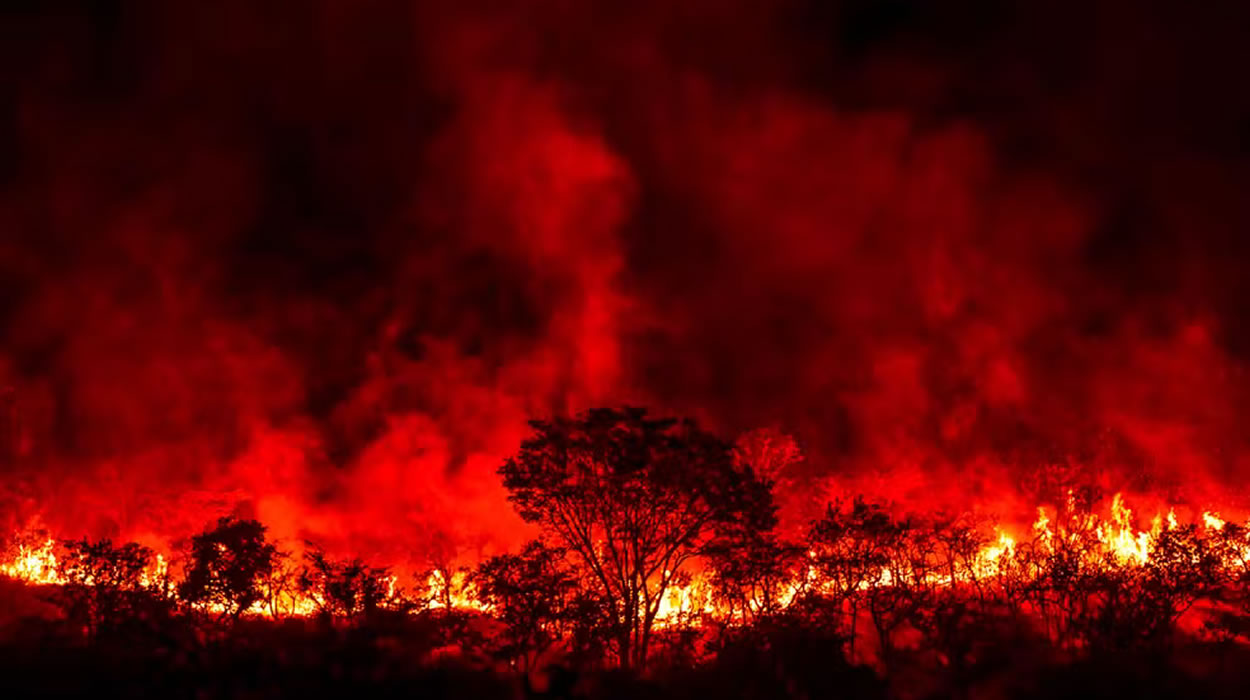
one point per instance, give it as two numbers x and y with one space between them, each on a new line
989 560
449 592
1117 535
1119 538
37 565
155 575
1212 521
34 560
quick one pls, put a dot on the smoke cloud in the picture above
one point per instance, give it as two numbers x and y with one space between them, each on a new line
318 262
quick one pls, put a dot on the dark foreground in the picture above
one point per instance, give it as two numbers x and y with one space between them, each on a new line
297 661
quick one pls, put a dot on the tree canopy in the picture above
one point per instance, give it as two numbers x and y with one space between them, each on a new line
228 565
634 498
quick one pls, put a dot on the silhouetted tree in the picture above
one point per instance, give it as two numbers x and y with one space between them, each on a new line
351 590
1183 568
768 451
102 583
1230 619
849 549
634 499
1072 570
905 586
227 567
280 587
1091 598
755 576
754 573
533 594
959 604
445 584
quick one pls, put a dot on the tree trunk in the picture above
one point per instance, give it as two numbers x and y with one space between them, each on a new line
626 658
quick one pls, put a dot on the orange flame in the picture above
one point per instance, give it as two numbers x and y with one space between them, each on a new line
35 561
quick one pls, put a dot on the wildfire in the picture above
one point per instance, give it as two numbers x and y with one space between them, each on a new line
35 565
1117 535
38 564
684 601
1212 521
449 590
155 575
35 561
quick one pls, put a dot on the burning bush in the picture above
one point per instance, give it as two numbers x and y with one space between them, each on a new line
350 590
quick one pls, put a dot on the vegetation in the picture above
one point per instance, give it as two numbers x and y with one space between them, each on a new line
635 499
661 570
228 566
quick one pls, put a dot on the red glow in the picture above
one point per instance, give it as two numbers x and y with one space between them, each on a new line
322 279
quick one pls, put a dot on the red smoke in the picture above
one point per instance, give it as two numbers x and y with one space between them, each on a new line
320 266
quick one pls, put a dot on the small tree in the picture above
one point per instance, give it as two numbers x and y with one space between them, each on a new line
280 587
768 451
533 595
1230 616
958 593
633 499
849 549
102 583
1182 569
351 590
228 566
755 577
